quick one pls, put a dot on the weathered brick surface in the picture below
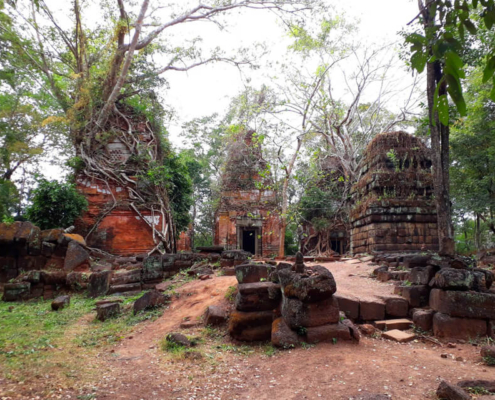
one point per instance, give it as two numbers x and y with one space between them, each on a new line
463 304
243 205
445 326
393 206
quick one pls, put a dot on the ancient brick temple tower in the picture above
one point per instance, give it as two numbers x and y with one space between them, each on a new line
246 217
114 221
394 209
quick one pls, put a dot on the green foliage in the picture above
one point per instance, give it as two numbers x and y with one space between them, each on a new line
55 205
449 40
473 164
173 174
291 243
8 200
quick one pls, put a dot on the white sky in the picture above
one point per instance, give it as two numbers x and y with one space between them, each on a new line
208 89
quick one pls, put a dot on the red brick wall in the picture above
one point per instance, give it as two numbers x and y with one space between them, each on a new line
122 231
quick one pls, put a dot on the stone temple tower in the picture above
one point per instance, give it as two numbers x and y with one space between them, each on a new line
247 217
393 205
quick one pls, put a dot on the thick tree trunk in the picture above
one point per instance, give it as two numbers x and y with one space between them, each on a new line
440 153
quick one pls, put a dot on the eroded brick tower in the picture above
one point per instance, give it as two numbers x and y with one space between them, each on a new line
247 216
394 208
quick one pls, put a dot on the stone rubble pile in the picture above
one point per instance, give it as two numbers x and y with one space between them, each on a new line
287 304
448 295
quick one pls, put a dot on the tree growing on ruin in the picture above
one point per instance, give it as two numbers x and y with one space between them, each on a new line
103 77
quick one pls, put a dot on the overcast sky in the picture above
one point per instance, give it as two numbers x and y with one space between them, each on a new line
208 89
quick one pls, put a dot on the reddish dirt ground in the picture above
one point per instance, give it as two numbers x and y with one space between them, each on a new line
138 368
342 371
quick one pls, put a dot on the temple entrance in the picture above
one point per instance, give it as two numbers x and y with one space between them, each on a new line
249 240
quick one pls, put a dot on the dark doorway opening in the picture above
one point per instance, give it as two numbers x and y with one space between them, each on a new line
338 246
249 241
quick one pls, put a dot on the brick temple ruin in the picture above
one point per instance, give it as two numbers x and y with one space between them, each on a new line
394 209
247 216
114 221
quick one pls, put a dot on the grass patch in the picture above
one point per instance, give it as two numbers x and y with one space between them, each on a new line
231 293
34 339
489 361
31 329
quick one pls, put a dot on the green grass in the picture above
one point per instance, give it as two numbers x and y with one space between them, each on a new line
231 293
31 328
34 339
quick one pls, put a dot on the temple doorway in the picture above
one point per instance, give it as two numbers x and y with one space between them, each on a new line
249 240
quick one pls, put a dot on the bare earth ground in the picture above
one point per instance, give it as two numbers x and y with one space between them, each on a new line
137 367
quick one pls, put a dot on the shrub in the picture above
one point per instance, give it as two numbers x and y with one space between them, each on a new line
55 205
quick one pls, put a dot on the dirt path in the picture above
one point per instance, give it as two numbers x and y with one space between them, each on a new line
354 280
141 370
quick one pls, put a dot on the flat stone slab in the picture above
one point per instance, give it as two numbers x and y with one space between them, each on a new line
352 261
190 324
402 324
398 336
366 259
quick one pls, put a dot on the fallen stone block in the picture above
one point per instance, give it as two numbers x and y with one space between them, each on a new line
259 296
60 302
251 326
76 257
215 315
282 335
77 281
251 273
151 299
396 307
463 304
416 261
110 300
106 311
417 296
16 291
423 275
228 271
32 277
153 268
398 336
445 326
299 314
178 339
129 287
58 278
423 319
460 279
372 310
353 329
349 305
315 285
448 391
402 324
99 283
489 386
327 333
123 277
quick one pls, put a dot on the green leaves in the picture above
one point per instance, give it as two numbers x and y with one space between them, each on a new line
489 69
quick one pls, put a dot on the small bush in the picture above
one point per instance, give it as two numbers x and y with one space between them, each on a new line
55 205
